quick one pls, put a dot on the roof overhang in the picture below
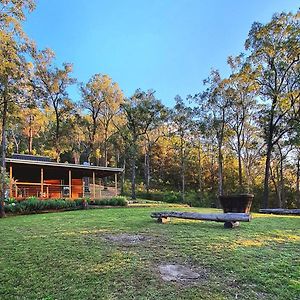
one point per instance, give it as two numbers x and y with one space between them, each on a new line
84 169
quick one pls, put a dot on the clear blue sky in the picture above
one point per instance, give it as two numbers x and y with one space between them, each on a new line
167 45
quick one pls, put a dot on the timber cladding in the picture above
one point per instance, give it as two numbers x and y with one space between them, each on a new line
44 179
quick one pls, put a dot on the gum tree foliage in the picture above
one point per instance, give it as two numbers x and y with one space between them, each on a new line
240 92
274 62
181 127
142 112
101 99
151 139
51 84
213 105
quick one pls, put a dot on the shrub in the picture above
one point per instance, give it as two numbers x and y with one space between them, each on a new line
114 201
80 202
171 197
33 204
195 199
10 200
119 200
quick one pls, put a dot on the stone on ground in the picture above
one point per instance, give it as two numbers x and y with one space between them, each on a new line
179 273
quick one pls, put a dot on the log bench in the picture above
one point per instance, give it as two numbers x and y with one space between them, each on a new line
280 211
230 220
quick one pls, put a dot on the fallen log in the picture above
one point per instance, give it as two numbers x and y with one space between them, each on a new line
280 211
227 217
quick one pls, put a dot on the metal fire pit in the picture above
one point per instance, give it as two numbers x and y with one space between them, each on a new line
236 203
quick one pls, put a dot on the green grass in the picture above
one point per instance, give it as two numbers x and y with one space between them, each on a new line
66 256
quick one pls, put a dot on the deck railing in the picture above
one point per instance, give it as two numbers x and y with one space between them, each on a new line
24 190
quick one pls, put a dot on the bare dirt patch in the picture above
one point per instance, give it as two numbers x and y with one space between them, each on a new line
126 239
181 273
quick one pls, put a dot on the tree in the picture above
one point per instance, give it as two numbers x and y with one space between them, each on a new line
239 90
101 98
213 106
280 153
197 136
151 137
142 111
13 68
182 117
113 98
51 84
274 59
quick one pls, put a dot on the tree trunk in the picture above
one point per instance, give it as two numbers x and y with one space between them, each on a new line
220 170
147 168
241 188
133 193
30 135
123 177
183 184
105 147
281 182
17 143
133 171
182 154
273 178
199 170
57 154
267 177
57 147
76 157
3 156
269 152
298 181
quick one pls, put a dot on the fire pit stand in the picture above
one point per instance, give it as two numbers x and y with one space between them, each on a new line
240 203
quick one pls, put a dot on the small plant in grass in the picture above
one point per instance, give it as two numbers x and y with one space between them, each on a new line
10 201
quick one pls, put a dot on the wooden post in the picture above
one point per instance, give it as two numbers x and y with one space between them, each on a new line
70 184
163 220
47 191
100 188
10 181
116 184
61 186
83 187
94 186
42 183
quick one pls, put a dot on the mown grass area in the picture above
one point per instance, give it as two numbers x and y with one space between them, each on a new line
66 256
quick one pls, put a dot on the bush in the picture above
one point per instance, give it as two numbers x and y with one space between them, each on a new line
119 200
33 204
171 197
196 199
10 200
114 201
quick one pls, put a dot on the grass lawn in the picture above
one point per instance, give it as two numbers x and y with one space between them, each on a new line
68 256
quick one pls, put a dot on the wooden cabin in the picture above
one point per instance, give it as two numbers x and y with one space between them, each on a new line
40 177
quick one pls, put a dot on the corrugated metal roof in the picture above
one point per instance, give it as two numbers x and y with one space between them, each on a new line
63 165
31 157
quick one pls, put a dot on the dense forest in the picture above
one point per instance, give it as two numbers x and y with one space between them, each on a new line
239 134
